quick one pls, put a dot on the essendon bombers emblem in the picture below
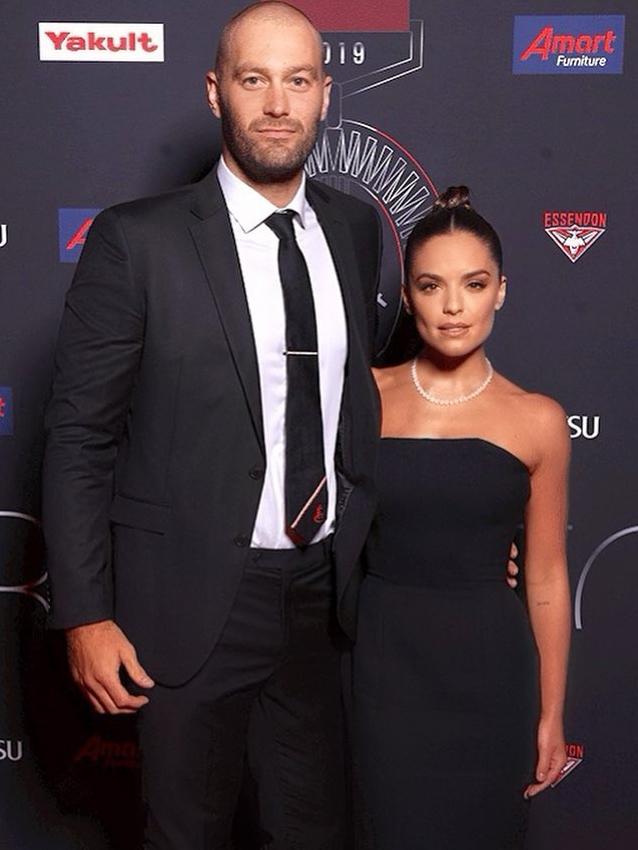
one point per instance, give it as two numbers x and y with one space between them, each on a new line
575 754
574 232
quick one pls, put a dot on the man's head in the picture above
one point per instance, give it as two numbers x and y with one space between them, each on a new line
270 91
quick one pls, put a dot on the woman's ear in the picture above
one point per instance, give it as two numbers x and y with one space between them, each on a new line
502 292
406 301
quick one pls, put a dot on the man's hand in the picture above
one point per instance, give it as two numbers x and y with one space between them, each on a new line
512 569
96 652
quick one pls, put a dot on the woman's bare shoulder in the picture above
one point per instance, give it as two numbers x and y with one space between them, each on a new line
545 417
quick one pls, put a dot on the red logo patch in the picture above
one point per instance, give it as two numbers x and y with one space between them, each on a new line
574 232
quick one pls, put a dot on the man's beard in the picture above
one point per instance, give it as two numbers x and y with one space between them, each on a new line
275 164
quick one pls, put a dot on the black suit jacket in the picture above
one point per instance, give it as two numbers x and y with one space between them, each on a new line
155 453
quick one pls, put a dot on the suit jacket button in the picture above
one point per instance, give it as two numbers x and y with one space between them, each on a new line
256 473
242 541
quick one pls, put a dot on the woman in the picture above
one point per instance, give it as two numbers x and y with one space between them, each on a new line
458 689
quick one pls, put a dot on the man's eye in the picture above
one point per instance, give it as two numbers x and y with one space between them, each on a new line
299 82
251 81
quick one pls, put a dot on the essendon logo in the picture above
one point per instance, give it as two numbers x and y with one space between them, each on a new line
575 754
6 411
568 44
574 232
73 226
89 42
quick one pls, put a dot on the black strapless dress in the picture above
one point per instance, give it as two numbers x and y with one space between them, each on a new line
445 664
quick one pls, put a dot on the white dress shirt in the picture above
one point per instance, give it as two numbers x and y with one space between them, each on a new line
257 247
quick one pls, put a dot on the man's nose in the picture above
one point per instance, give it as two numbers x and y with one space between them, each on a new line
276 100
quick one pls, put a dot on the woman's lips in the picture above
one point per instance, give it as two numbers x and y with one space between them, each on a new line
454 330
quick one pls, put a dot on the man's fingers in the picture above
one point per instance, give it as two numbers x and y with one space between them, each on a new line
96 705
135 670
121 698
513 551
102 696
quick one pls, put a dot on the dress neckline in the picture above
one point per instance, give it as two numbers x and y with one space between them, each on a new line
480 440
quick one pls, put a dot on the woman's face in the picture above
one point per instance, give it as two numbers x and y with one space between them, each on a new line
453 289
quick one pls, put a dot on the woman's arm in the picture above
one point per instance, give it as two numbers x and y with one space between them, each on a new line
547 584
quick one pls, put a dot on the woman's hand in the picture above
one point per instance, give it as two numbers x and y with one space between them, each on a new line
551 756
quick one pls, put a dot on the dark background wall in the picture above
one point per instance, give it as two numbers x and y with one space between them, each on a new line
426 96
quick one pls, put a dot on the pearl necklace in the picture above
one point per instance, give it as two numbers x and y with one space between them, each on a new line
448 401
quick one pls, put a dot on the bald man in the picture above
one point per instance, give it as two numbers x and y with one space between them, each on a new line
208 476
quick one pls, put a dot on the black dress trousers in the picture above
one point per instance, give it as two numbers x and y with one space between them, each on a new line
268 697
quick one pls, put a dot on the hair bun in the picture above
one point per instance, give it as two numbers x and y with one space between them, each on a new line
453 197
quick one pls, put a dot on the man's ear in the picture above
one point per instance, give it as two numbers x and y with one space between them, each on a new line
212 93
327 88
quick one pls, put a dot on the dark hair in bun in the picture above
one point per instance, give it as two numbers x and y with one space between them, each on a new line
454 196
452 211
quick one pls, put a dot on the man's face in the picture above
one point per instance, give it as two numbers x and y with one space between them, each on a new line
270 96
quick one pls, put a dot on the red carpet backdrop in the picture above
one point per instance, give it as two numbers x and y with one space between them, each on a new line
533 105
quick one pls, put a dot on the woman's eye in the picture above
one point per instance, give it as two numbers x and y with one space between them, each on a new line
476 284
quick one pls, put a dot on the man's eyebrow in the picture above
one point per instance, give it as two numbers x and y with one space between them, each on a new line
248 68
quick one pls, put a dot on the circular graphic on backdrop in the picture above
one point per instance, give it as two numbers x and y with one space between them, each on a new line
366 162
22 549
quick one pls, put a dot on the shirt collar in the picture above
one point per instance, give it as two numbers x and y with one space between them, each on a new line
248 207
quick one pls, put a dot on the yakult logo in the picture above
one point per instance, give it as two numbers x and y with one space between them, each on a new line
568 44
88 42
574 232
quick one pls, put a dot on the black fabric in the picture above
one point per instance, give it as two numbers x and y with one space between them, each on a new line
306 492
445 665
267 700
155 453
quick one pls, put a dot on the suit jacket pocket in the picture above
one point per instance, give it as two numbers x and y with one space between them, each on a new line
138 514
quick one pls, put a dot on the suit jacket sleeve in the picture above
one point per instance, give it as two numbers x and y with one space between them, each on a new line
97 357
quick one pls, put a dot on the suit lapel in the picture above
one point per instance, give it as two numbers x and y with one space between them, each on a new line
215 243
338 236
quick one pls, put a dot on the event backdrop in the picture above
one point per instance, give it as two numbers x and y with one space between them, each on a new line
531 104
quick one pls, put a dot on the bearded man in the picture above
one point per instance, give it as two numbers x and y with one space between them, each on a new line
208 475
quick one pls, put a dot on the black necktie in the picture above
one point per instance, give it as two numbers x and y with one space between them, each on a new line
305 475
